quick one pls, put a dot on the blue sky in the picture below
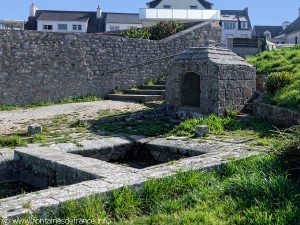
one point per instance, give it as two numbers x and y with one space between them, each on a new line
262 12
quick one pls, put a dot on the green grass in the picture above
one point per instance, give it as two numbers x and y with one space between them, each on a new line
251 191
153 127
11 141
87 98
279 61
260 131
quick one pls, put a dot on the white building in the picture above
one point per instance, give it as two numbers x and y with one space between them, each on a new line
79 21
235 24
292 32
185 11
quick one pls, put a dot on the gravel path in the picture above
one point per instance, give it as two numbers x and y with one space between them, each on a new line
12 121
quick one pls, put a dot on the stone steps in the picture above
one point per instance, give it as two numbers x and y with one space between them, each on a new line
144 92
154 87
135 98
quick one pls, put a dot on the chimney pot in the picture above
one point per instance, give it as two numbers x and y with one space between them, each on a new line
99 12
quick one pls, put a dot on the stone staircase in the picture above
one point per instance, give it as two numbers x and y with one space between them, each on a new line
145 93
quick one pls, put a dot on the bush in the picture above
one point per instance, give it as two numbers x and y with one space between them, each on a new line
165 29
134 32
162 30
278 80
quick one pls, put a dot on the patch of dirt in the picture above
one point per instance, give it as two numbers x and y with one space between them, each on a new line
12 122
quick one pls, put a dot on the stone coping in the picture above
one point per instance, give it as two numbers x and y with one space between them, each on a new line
111 176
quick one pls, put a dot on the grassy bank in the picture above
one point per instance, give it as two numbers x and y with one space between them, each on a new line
285 60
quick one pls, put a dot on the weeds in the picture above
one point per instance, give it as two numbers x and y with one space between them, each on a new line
11 141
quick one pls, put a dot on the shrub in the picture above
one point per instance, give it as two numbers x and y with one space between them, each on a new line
165 29
278 80
160 31
133 32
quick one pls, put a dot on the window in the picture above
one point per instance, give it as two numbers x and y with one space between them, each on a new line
77 27
62 27
194 7
47 27
229 25
167 6
114 28
244 25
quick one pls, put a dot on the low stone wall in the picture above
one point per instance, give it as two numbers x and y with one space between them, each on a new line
245 51
38 67
277 116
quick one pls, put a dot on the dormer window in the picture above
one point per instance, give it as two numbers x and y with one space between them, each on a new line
167 6
244 25
193 7
229 25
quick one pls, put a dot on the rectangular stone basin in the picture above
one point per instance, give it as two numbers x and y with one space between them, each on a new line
143 155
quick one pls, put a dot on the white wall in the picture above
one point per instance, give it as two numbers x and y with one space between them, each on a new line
180 4
236 33
291 38
121 26
55 26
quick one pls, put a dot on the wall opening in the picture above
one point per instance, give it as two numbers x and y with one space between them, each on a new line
190 91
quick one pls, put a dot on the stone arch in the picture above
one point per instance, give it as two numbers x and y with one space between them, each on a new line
190 89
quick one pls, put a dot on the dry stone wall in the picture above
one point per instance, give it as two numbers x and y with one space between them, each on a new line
38 67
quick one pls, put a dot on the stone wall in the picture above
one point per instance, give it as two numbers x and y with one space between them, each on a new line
38 67
277 116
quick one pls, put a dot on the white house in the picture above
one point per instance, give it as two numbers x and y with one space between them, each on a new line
185 11
292 32
235 24
62 21
79 21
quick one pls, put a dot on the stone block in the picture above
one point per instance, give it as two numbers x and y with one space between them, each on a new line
202 130
35 129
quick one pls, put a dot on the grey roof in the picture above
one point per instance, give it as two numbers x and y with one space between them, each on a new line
64 15
294 26
260 30
130 18
206 4
236 15
217 55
